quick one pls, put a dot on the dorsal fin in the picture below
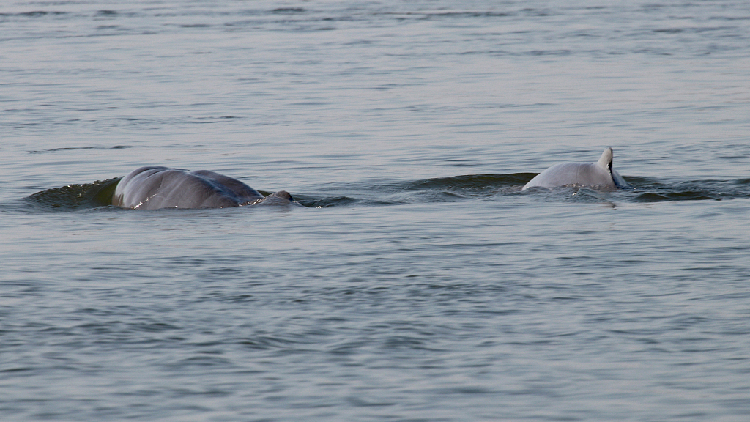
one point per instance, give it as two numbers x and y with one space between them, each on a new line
605 161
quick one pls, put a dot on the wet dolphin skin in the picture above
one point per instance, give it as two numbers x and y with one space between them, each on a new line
599 175
151 188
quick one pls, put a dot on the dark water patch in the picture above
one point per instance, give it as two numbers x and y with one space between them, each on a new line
35 13
106 13
561 52
469 14
195 25
75 148
451 189
434 190
458 14
325 202
350 199
471 182
672 196
76 197
444 14
649 190
211 119
288 10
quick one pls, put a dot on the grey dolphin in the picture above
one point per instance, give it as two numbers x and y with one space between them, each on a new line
599 175
152 188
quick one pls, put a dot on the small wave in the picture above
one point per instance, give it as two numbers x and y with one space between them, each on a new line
76 197
471 182
324 202
284 10
106 12
41 151
649 190
675 196
35 13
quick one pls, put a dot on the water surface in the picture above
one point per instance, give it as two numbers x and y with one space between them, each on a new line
417 281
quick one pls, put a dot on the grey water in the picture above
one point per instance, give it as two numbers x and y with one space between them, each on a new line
416 282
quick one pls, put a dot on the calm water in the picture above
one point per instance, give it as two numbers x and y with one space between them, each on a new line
417 282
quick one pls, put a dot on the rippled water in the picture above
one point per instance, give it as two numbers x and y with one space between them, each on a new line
417 282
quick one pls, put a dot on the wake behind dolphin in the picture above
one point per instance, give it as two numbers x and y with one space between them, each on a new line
152 188
599 175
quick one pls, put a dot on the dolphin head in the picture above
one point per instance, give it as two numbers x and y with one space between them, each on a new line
281 197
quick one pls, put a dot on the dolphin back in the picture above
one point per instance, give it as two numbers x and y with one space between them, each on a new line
572 174
598 175
153 188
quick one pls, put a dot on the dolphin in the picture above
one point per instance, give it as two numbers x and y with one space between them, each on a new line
599 175
156 187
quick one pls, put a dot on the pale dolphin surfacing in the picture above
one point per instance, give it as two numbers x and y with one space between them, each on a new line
599 175
152 188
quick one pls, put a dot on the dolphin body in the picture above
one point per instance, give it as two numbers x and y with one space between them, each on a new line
153 188
599 175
